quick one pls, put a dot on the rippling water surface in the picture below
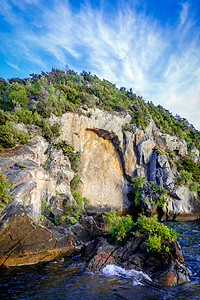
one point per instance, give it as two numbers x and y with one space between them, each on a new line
67 280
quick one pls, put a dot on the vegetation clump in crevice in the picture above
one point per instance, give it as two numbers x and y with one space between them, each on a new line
118 226
144 191
5 196
189 174
137 183
156 234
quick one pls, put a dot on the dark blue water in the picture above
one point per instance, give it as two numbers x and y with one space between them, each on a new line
66 279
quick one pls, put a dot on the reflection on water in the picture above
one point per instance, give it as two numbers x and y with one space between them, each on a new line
67 280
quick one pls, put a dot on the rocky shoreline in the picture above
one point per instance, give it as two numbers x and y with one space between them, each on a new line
22 242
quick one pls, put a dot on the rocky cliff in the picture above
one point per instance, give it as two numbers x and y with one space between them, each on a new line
111 156
33 226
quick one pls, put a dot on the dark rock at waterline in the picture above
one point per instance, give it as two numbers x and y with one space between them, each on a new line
22 242
165 268
90 226
100 254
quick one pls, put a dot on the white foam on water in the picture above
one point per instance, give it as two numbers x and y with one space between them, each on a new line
137 276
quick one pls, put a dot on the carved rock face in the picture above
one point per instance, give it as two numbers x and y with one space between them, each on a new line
103 179
100 139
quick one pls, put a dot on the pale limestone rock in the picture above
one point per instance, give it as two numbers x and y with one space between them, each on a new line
138 136
109 157
6 163
60 166
130 159
163 161
17 176
73 126
165 140
166 173
34 150
141 171
184 205
145 149
195 154
30 181
174 144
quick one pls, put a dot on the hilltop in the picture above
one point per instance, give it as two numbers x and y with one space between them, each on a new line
32 100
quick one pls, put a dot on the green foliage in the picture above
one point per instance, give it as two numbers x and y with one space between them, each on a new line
158 194
76 181
78 198
55 220
184 178
118 226
160 151
178 126
73 221
41 220
161 200
154 243
55 130
21 166
127 127
75 160
71 211
32 100
5 196
154 232
194 187
187 164
17 94
68 149
10 136
171 157
137 184
44 204
4 117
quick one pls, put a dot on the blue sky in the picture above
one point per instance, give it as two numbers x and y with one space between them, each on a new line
152 46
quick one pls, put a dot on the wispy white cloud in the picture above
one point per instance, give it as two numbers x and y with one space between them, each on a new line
184 13
12 65
131 49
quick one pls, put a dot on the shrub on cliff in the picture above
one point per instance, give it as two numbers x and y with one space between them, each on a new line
183 178
137 183
154 232
10 136
187 164
118 226
5 196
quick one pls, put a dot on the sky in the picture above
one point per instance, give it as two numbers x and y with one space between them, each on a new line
151 46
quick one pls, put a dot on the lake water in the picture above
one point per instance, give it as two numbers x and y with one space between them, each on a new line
66 279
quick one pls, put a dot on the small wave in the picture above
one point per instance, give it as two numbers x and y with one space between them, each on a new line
137 276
